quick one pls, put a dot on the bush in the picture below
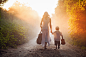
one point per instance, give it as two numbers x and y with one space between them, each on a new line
11 34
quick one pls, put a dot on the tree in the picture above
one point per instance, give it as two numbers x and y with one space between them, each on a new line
76 10
2 2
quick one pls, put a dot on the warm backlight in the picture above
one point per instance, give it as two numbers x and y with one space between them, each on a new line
38 5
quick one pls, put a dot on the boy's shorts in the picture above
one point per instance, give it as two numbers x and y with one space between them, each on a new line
57 42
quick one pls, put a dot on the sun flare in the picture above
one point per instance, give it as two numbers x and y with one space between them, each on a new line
38 5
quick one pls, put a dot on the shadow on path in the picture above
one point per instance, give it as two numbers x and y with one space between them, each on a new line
44 53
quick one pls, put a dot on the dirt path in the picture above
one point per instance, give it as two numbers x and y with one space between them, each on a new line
31 49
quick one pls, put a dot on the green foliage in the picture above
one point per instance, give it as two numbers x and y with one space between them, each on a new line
77 13
17 25
83 47
11 34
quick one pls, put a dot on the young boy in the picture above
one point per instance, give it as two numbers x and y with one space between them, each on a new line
57 35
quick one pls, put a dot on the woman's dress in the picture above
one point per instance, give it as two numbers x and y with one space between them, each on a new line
45 32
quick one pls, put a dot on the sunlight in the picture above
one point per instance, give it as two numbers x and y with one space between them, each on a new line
38 5
8 4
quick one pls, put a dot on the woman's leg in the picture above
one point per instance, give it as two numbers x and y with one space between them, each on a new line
45 45
43 38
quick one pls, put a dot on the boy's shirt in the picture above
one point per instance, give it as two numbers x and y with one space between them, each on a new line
57 35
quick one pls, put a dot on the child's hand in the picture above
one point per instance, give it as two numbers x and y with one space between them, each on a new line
51 31
41 26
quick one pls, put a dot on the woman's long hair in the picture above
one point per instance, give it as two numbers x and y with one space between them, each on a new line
45 15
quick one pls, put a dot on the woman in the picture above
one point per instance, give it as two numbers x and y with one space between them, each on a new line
45 24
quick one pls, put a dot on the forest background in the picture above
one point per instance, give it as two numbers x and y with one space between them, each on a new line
17 26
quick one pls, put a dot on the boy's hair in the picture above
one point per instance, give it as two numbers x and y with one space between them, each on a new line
57 28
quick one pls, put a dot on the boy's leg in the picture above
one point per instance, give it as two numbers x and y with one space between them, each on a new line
58 44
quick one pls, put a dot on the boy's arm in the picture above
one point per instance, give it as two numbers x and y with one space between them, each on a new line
62 35
53 32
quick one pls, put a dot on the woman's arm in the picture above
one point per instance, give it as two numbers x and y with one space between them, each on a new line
50 26
41 23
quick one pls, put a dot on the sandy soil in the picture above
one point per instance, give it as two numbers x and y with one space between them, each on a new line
31 49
